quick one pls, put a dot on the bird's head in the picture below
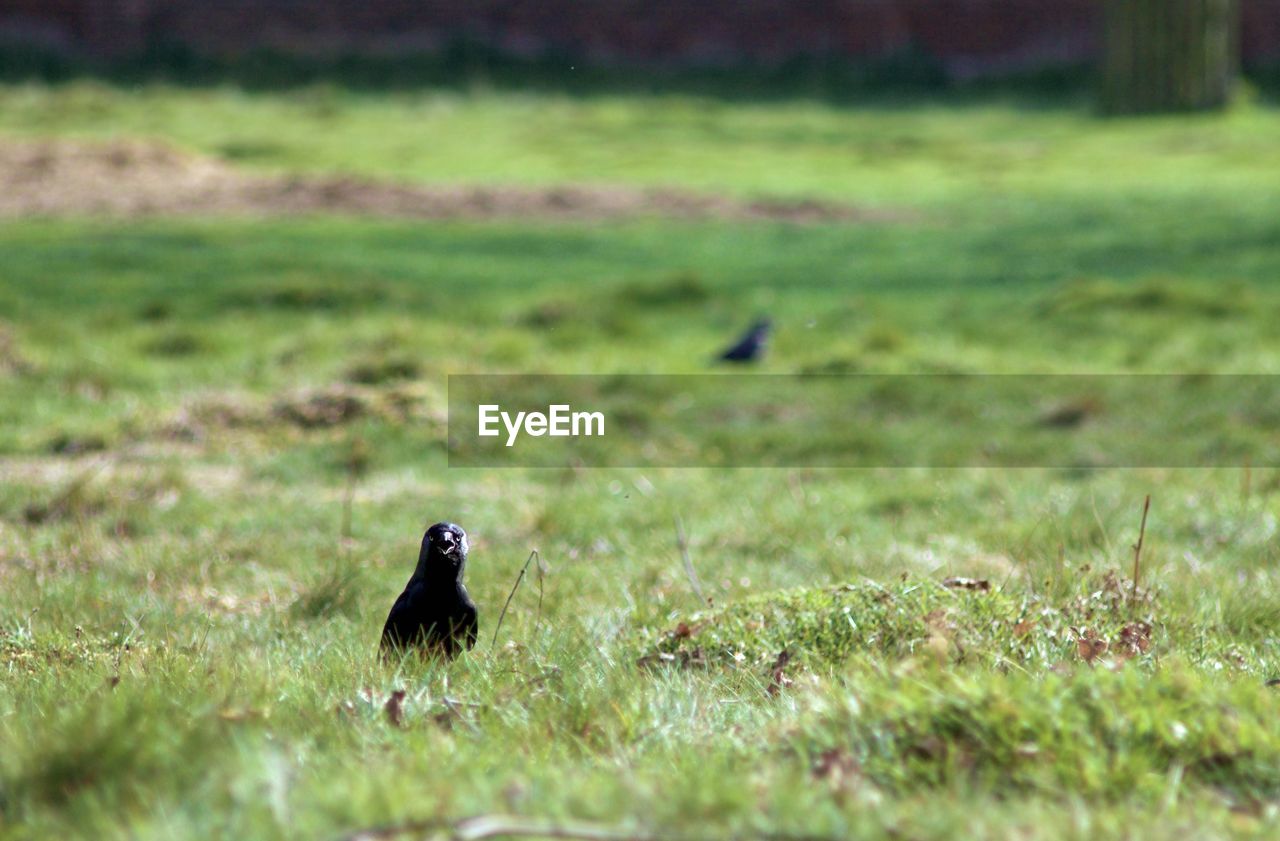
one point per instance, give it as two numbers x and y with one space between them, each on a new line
444 547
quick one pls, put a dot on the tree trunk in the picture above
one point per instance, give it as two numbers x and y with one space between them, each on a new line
1169 55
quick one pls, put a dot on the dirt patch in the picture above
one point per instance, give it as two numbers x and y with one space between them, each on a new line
337 405
134 178
42 470
305 409
322 408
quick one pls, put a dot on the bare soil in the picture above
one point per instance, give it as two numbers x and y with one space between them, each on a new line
140 178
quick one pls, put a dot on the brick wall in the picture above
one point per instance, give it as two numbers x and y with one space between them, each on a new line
970 36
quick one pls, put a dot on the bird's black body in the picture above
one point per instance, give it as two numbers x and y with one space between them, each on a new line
434 614
751 346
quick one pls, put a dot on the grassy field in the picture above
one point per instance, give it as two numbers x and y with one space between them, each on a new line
187 639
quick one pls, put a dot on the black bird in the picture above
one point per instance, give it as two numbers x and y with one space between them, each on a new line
752 344
434 613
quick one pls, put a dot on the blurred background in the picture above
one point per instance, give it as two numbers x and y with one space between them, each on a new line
243 244
835 47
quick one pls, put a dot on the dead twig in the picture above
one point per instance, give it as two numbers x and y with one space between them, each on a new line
537 622
356 464
683 544
524 569
1137 549
394 708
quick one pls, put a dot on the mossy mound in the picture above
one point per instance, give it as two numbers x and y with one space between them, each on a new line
1100 732
959 620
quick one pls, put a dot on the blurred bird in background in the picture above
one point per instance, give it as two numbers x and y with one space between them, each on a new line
751 347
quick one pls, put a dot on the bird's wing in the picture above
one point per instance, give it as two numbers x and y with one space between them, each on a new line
471 625
402 624
745 348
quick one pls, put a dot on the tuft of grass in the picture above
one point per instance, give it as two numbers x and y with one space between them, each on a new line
615 308
335 593
249 150
76 443
116 749
309 295
384 369
155 311
1154 295
678 290
175 343
1250 611
884 338
127 506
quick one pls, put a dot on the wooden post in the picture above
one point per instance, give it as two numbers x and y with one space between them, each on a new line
1169 55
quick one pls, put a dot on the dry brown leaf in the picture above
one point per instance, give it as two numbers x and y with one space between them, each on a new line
838 769
658 658
936 620
697 657
1090 647
778 679
1134 638
960 583
942 634
1071 413
395 708
929 747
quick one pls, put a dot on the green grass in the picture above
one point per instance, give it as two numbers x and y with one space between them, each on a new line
881 155
187 643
